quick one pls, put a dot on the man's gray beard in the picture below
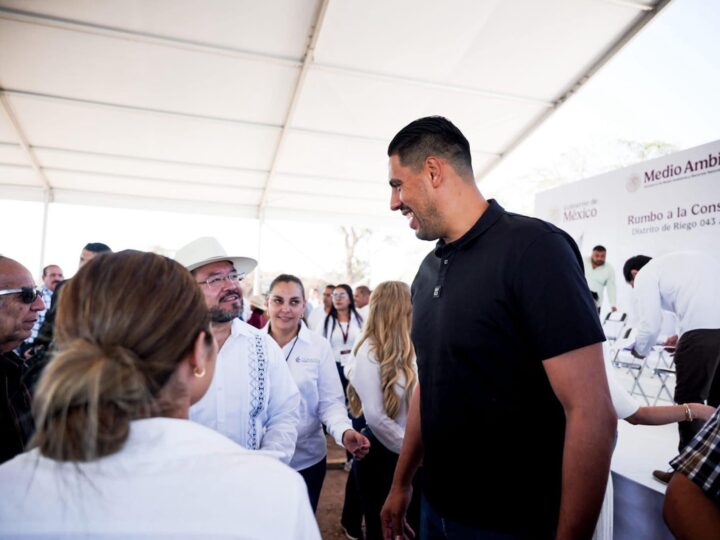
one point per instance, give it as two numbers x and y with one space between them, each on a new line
218 315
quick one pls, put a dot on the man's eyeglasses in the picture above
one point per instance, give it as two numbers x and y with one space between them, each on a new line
27 294
339 295
216 282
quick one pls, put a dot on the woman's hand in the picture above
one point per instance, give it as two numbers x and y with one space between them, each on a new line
701 412
356 443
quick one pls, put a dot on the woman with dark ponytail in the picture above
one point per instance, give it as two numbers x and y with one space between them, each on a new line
114 453
342 327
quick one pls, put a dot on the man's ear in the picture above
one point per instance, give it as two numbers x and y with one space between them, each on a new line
434 168
633 273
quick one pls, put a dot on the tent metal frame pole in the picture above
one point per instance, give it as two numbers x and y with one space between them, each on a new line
44 19
39 172
307 62
647 13
24 144
43 238
257 281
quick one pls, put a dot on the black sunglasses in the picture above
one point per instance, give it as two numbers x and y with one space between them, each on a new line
27 294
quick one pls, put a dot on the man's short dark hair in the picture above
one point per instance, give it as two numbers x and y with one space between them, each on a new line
97 247
363 289
634 263
432 135
46 269
599 248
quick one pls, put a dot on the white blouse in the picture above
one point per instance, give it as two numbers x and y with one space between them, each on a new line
342 337
172 479
366 381
312 366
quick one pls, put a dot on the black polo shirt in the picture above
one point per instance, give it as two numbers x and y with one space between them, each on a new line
487 310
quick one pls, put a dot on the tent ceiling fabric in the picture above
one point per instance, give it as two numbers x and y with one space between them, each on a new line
277 109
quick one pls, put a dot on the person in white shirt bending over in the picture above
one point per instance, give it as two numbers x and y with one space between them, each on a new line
382 383
312 366
686 283
341 328
114 455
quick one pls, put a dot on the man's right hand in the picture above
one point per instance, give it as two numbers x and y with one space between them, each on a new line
394 524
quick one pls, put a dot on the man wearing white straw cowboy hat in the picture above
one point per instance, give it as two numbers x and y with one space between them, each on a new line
252 398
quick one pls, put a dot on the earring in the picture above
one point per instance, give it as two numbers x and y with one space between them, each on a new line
199 373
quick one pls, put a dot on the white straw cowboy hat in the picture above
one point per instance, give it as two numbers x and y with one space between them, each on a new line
208 250
258 301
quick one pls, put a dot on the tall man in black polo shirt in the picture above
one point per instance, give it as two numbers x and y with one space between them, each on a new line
509 355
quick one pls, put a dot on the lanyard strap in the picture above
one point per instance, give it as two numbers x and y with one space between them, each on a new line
292 348
345 333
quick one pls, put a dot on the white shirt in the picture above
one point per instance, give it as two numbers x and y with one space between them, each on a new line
172 479
317 318
339 342
364 312
252 398
685 283
312 366
366 381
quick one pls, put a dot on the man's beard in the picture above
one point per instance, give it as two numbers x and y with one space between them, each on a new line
218 315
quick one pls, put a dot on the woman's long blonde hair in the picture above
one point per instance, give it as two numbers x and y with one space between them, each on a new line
387 330
124 324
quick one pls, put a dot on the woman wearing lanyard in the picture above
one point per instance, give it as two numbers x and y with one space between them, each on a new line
382 383
341 328
311 364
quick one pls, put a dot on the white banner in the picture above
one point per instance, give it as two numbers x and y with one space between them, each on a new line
655 207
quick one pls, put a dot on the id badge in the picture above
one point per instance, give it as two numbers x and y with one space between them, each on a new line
345 356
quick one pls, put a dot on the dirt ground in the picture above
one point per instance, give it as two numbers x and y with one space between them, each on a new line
332 494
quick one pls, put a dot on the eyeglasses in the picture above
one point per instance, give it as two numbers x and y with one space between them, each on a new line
27 294
215 282
339 295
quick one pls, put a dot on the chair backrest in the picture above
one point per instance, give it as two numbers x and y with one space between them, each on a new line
613 325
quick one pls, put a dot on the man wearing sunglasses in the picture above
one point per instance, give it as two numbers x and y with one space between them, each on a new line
52 277
252 398
20 304
44 338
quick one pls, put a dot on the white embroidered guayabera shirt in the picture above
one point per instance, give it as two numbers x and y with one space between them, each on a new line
252 398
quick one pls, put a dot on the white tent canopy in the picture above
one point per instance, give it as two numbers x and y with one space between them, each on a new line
276 109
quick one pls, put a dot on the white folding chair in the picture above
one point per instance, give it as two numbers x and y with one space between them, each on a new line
664 369
664 374
624 359
613 325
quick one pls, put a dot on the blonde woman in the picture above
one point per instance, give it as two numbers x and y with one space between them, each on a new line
383 381
114 454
